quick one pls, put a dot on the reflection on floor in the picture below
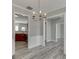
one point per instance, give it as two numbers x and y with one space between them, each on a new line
20 45
52 50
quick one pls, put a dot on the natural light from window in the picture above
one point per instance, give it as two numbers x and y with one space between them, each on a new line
16 28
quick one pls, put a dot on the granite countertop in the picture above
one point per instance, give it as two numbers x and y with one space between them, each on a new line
21 32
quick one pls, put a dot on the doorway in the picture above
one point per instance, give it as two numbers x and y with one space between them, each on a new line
21 31
55 28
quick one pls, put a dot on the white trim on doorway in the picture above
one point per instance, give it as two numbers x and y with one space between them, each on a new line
28 23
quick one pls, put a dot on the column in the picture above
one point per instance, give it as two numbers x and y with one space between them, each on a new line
43 41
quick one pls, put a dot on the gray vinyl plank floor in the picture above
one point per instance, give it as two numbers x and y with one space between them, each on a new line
52 50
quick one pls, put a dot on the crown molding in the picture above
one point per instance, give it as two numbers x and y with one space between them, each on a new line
15 5
56 9
51 11
57 15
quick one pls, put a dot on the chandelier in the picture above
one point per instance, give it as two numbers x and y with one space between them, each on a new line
40 15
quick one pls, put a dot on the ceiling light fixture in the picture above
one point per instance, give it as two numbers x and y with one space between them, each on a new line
40 15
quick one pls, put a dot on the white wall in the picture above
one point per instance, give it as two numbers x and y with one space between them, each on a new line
51 30
60 28
13 33
48 30
35 33
65 34
62 31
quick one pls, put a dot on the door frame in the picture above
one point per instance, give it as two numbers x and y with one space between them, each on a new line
28 23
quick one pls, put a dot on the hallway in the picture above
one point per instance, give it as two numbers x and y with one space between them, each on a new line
52 50
20 45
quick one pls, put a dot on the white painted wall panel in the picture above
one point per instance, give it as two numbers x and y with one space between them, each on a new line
13 33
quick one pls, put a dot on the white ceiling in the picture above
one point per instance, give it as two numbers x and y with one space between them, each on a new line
46 5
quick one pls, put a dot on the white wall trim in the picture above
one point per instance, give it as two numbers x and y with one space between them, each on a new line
56 33
53 40
24 22
65 34
13 34
21 13
61 14
15 5
48 40
55 9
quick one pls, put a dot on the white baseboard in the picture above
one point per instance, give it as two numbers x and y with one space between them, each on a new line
51 40
48 41
54 40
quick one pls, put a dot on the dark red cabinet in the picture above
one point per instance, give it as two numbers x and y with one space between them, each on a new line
21 37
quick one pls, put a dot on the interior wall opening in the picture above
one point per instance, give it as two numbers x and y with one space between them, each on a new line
55 29
21 31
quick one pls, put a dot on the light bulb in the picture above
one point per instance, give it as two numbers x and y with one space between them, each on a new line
40 11
33 12
45 14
